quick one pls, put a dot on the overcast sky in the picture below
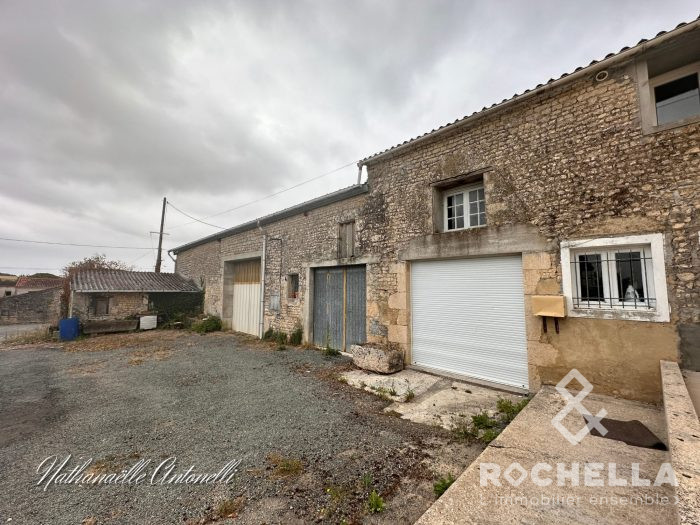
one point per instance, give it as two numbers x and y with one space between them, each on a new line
107 106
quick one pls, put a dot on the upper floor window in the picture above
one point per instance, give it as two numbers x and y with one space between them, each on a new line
616 277
678 98
464 207
346 240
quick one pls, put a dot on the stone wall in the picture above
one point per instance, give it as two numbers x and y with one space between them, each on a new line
44 306
571 163
567 164
294 245
121 305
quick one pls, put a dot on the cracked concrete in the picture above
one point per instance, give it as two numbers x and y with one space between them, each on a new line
437 401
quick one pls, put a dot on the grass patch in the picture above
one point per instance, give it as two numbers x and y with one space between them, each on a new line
441 485
285 467
211 323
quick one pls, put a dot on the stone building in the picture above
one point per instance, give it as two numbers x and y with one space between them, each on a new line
578 199
103 295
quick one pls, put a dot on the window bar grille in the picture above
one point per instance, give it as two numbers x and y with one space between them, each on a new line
646 277
587 270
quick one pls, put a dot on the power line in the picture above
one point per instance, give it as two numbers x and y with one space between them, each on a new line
75 244
257 200
195 219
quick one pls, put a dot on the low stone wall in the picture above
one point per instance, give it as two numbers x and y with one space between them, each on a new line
683 441
43 306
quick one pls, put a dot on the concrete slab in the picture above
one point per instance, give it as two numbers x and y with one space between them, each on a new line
531 440
692 383
401 383
450 402
437 401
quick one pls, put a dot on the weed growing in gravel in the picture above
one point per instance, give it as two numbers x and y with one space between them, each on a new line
211 323
375 503
296 336
410 394
486 428
330 352
441 485
509 410
285 467
269 335
489 435
281 338
392 390
367 480
230 508
483 421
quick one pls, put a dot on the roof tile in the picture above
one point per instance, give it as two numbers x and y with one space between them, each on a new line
127 281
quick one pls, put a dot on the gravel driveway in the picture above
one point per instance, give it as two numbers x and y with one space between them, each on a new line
311 448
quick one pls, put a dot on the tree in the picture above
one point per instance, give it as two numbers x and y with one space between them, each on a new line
98 261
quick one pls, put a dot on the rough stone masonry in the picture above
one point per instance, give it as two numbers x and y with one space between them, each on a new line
572 161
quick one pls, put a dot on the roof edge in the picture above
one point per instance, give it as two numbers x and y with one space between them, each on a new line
313 204
624 54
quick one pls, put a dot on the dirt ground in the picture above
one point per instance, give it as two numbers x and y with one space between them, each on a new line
312 448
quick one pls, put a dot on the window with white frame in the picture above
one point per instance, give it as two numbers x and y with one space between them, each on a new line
676 94
621 275
464 207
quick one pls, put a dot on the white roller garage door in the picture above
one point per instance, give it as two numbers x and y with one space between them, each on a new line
468 318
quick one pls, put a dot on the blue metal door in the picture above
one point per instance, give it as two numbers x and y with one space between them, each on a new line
339 306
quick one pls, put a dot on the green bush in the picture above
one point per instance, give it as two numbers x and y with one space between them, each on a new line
483 420
281 338
296 336
208 324
441 485
269 335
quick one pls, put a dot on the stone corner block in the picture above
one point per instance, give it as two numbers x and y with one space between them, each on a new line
377 359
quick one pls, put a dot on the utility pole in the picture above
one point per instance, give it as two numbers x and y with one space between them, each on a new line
160 236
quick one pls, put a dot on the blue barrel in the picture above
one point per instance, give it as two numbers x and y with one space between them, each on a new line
68 329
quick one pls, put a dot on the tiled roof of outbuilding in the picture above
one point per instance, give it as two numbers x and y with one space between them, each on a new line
38 282
126 281
644 42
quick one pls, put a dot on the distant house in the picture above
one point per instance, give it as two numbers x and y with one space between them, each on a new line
121 294
7 285
26 284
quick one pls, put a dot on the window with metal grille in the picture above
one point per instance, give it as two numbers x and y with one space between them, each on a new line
619 278
293 285
346 239
465 207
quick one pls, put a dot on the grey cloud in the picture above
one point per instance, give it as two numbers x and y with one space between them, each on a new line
107 106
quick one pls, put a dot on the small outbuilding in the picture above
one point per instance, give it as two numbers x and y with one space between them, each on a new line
102 295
